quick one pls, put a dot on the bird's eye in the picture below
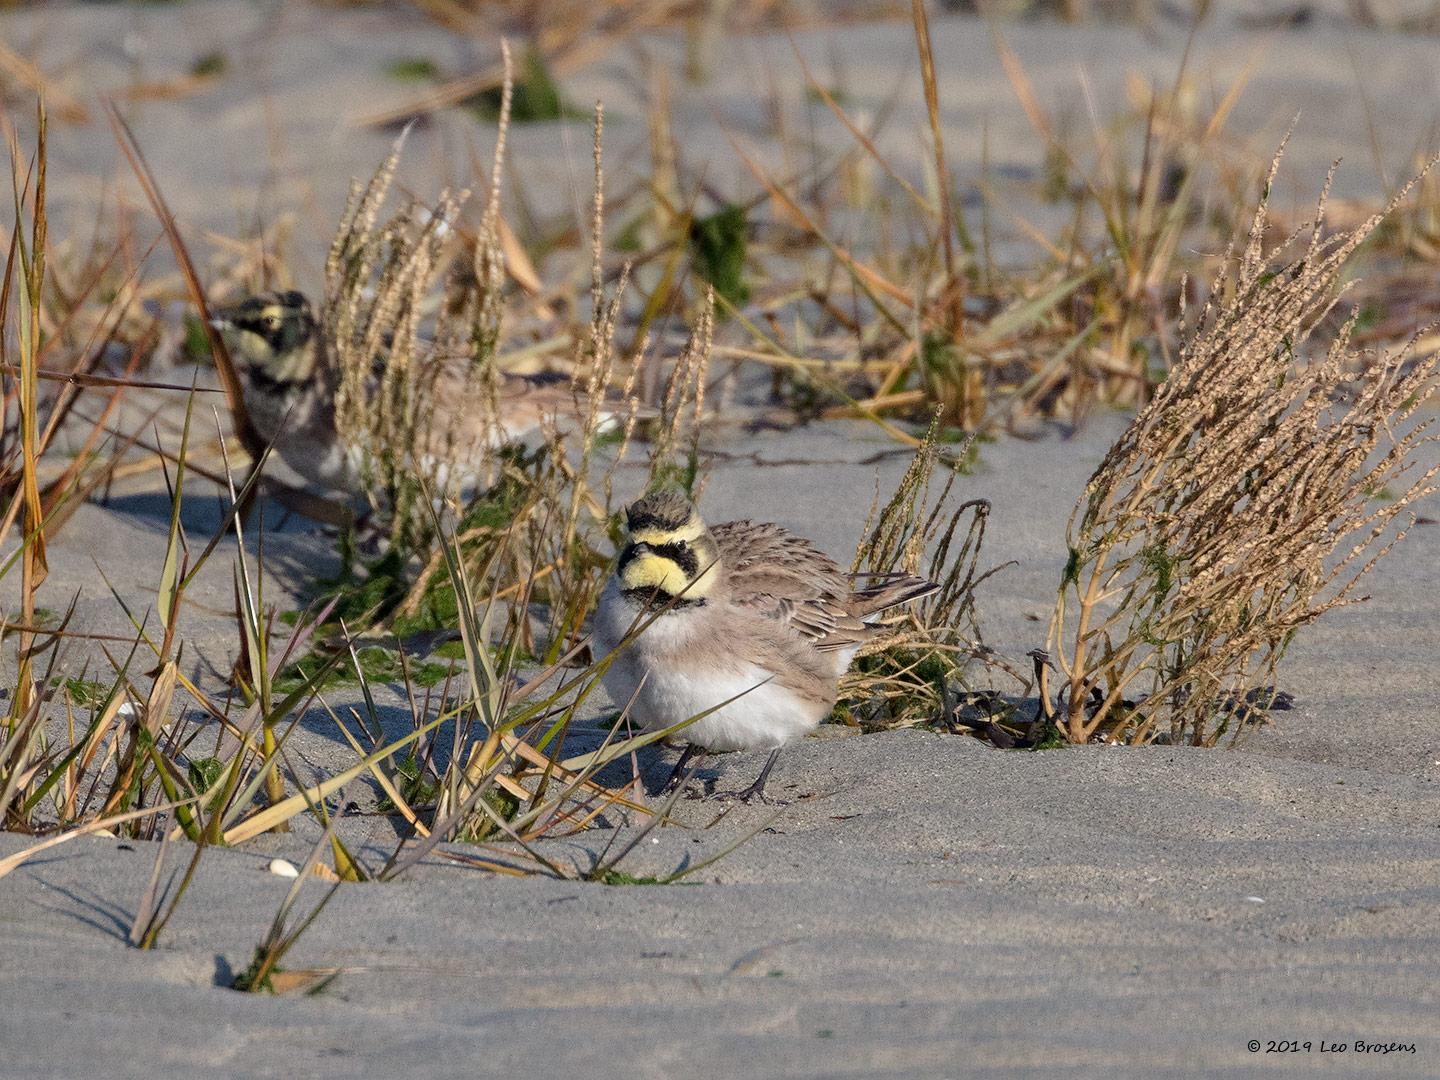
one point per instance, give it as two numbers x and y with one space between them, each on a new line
271 322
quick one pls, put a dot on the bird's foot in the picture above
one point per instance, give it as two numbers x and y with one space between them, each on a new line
756 791
749 797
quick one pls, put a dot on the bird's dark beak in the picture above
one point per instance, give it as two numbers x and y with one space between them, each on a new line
630 551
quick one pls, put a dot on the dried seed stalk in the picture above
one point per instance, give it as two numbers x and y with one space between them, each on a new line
900 678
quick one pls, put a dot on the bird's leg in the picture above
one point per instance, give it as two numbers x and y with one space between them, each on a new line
757 789
677 774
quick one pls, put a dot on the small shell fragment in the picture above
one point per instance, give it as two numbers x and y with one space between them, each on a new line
283 868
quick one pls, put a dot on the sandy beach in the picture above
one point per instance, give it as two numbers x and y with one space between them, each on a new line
925 905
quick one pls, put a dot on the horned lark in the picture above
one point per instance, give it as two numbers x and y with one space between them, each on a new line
742 611
291 382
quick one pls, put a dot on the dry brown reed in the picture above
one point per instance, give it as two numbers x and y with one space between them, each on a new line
1247 499
897 329
885 330
48 367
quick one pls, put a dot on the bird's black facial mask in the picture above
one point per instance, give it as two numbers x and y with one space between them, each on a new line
273 332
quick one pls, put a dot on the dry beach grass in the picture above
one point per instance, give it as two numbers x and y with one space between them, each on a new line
1278 449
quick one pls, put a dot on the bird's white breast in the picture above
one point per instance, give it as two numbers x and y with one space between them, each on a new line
675 669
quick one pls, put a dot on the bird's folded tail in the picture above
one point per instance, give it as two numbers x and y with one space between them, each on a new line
882 591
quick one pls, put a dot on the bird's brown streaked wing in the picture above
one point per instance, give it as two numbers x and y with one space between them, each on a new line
784 577
765 560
